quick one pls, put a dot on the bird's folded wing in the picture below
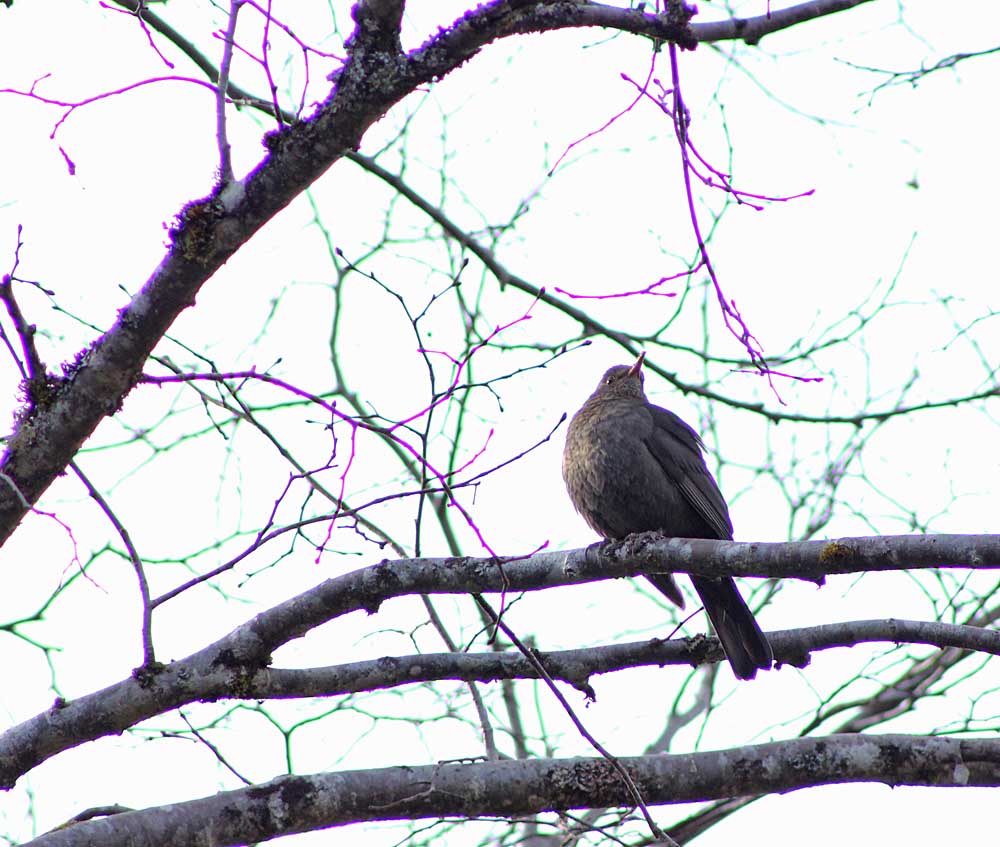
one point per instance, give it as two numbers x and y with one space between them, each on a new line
677 449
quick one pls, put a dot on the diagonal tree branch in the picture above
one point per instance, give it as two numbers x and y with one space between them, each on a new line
52 428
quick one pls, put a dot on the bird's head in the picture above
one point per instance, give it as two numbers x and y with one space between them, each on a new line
623 381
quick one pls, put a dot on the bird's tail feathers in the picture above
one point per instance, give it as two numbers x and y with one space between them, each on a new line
746 647
667 585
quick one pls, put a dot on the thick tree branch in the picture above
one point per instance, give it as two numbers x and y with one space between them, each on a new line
752 30
209 231
238 664
806 560
576 667
207 234
292 804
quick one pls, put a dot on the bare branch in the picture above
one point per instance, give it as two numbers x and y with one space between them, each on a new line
293 804
752 30
224 668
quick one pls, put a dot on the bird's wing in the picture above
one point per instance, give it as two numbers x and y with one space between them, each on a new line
677 448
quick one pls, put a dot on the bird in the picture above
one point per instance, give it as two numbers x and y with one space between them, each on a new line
631 466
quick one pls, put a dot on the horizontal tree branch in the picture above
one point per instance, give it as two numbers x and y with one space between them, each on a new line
806 560
752 30
234 665
292 804
791 647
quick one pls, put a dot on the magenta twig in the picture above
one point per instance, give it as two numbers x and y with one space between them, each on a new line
649 289
229 40
611 120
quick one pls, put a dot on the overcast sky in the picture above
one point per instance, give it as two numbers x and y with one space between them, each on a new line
904 189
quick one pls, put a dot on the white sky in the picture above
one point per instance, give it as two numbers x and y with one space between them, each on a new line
799 116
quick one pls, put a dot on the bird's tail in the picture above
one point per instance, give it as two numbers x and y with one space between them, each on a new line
667 585
746 646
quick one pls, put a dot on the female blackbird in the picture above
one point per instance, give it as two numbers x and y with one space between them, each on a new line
630 466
